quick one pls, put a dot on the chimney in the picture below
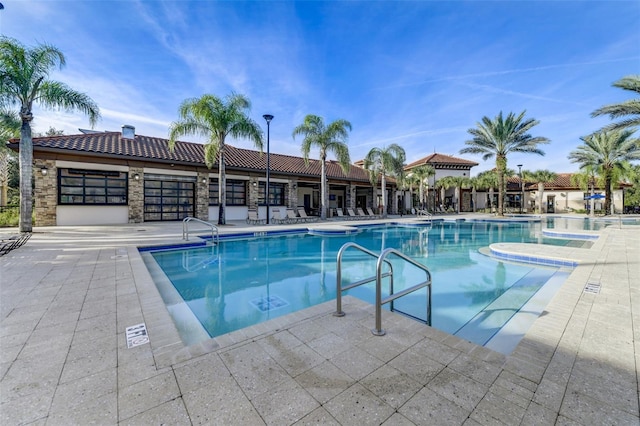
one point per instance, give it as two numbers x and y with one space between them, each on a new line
128 131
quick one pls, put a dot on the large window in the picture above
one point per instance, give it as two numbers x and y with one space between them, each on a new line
166 199
276 194
236 192
92 187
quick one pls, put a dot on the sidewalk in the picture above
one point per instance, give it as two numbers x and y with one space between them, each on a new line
69 293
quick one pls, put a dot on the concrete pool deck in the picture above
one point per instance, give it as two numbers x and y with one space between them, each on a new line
68 295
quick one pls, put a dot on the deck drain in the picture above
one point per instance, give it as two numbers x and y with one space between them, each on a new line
593 288
265 304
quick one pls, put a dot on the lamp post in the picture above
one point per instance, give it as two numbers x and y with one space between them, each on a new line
268 118
521 187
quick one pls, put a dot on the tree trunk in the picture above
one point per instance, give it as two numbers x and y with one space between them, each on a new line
541 195
421 195
222 187
384 196
608 205
501 166
26 174
323 188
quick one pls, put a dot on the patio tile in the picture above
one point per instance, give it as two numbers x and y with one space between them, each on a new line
584 409
27 408
430 408
358 406
172 412
101 411
319 416
416 366
324 381
391 385
356 363
142 396
459 389
284 403
204 371
83 390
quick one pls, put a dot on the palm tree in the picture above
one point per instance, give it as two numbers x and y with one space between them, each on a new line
586 180
457 182
24 80
422 173
383 161
329 138
488 180
630 108
215 119
542 177
498 138
10 125
608 152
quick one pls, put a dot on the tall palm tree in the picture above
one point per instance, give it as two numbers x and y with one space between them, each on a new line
499 137
328 138
422 174
215 118
630 108
541 177
457 182
24 80
608 152
384 161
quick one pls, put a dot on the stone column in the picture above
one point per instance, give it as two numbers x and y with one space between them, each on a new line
202 196
136 195
292 194
45 192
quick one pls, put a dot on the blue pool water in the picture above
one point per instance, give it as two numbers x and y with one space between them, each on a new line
247 281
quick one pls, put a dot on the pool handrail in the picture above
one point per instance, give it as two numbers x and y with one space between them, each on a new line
215 236
381 260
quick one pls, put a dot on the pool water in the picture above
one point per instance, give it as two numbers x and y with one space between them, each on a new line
244 282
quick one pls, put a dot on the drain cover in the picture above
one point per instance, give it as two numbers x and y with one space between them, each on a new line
593 288
264 304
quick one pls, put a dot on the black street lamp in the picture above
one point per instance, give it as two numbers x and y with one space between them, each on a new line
521 187
268 118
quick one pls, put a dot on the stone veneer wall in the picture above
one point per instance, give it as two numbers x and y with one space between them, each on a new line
46 188
202 196
136 195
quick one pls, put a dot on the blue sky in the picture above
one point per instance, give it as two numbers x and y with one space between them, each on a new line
415 73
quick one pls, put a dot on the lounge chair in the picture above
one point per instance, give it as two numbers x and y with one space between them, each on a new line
253 218
371 213
279 216
13 242
292 217
340 214
362 213
303 215
352 215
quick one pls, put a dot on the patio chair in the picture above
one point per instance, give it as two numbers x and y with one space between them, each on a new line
341 214
362 213
303 215
371 213
352 215
277 217
253 218
13 242
292 217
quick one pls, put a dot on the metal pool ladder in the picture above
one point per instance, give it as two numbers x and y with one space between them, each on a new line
215 236
381 260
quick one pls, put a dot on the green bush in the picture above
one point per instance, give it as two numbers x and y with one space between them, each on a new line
10 217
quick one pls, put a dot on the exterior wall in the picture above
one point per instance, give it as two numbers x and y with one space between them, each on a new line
136 195
92 215
202 196
45 192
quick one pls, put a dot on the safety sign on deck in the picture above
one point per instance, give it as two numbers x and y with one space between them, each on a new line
137 335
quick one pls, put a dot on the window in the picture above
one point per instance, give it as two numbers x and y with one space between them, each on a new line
92 187
276 194
236 192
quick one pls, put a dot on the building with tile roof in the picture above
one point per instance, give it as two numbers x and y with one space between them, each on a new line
121 177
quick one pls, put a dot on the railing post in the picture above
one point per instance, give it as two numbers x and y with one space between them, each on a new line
378 330
339 312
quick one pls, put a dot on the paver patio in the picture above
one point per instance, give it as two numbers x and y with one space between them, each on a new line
69 293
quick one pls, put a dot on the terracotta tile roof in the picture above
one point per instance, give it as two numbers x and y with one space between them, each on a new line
154 149
442 161
562 182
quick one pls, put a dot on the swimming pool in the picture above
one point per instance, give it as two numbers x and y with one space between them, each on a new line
246 281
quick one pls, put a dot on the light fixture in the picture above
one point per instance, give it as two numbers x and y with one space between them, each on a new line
295 186
268 118
136 176
43 171
255 183
204 180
